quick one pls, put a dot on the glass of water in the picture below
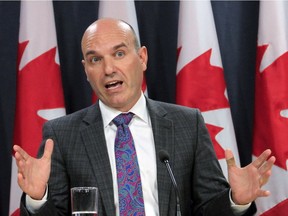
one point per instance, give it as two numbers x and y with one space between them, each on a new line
84 201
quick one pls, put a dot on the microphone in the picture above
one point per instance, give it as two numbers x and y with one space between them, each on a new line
164 158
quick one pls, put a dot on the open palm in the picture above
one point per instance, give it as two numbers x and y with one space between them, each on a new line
246 182
33 174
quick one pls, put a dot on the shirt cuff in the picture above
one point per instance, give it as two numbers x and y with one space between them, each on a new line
33 205
238 209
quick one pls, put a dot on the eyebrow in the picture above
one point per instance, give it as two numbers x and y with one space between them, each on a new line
119 46
92 52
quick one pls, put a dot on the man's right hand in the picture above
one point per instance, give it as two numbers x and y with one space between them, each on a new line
33 174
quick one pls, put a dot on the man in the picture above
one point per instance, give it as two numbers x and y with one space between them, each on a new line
78 149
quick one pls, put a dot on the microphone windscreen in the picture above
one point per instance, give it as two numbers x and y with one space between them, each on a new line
163 155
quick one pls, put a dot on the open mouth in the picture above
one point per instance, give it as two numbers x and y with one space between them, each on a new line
113 84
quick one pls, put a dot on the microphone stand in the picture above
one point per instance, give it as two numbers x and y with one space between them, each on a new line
178 211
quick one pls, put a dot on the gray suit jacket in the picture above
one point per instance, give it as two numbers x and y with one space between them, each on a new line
80 158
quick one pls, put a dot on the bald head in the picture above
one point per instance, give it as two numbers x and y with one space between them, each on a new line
109 26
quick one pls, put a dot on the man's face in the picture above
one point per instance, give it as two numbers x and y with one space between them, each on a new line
112 64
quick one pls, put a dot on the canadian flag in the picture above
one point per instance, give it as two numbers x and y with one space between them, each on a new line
271 103
200 77
124 10
39 87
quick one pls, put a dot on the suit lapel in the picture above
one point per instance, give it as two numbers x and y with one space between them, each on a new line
163 133
95 143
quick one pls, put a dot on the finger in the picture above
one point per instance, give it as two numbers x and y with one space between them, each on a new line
264 179
20 165
48 149
18 157
21 181
19 160
230 160
263 193
266 170
267 165
262 158
23 154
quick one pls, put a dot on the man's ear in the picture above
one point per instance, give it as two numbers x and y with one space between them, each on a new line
83 63
143 54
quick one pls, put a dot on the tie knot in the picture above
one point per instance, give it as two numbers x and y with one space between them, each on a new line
123 118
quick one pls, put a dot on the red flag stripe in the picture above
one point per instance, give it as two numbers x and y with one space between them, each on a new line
39 87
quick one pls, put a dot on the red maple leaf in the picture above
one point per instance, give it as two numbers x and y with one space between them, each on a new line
213 131
38 87
271 97
202 85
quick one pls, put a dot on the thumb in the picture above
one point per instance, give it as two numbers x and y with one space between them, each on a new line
230 160
48 149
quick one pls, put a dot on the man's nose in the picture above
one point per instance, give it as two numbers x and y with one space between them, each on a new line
109 67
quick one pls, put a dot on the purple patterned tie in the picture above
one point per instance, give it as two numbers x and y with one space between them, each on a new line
128 174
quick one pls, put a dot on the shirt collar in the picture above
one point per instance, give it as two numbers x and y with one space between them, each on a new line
139 109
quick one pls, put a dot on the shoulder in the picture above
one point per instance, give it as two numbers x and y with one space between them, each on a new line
171 109
75 117
175 113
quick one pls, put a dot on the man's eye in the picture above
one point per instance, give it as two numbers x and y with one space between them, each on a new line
119 54
95 59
